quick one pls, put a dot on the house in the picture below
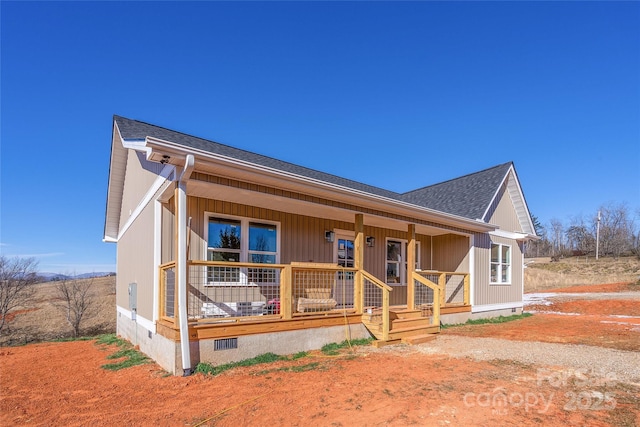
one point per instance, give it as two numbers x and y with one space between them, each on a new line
224 254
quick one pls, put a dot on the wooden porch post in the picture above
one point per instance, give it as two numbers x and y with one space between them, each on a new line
442 284
411 266
358 263
466 298
286 300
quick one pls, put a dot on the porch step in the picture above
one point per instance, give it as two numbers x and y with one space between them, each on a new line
413 331
418 339
411 322
383 343
404 314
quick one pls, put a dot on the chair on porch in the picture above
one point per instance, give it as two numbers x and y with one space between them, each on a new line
317 299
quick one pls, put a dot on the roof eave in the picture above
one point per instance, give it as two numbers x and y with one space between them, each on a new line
176 152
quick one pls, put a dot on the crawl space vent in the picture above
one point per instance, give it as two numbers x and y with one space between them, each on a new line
225 344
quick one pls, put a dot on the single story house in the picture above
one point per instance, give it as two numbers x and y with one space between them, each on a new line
224 254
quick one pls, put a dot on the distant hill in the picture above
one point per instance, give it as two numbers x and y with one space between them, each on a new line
50 277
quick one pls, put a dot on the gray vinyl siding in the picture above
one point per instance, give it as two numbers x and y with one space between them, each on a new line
503 213
135 263
486 293
451 253
139 176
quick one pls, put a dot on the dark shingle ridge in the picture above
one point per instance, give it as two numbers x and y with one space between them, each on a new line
467 196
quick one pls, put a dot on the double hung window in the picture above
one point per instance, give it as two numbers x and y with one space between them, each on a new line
500 264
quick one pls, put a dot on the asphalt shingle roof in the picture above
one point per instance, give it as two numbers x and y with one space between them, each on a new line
467 196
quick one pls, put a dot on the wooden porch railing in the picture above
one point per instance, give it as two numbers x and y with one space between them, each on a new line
371 300
222 292
168 301
423 301
449 289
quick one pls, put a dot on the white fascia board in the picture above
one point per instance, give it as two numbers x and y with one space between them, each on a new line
517 196
117 171
163 179
509 234
473 225
495 194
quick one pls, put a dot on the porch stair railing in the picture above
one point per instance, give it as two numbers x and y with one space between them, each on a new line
412 324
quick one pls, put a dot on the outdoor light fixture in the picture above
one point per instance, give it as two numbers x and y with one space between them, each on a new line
329 236
370 241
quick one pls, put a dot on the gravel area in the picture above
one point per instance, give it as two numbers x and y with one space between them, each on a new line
622 366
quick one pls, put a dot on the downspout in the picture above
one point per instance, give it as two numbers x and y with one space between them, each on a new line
182 264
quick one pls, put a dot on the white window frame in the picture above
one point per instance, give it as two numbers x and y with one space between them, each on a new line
244 252
342 235
403 254
499 264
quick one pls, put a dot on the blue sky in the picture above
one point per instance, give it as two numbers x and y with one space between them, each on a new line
398 95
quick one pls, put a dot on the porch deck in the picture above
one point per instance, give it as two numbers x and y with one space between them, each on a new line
230 299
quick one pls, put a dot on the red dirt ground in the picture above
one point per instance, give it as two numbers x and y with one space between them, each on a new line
609 287
62 384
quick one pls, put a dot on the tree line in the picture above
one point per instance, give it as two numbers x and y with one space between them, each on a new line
18 276
613 229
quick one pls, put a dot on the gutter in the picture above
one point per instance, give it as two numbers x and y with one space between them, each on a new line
473 225
182 264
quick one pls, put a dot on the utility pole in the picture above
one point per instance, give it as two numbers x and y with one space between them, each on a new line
597 235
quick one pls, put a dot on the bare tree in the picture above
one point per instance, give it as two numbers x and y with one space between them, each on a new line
77 301
580 237
616 230
17 277
557 237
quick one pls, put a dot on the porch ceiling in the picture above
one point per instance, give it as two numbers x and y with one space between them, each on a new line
301 207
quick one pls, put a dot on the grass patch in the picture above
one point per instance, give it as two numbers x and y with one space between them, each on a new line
129 355
110 339
208 369
491 320
333 348
300 355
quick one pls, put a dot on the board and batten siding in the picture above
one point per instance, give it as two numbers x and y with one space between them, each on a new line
451 253
136 263
302 238
484 292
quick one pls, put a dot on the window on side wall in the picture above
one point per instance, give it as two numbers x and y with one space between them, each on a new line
500 264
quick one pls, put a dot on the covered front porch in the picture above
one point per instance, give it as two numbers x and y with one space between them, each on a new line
229 299
291 262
